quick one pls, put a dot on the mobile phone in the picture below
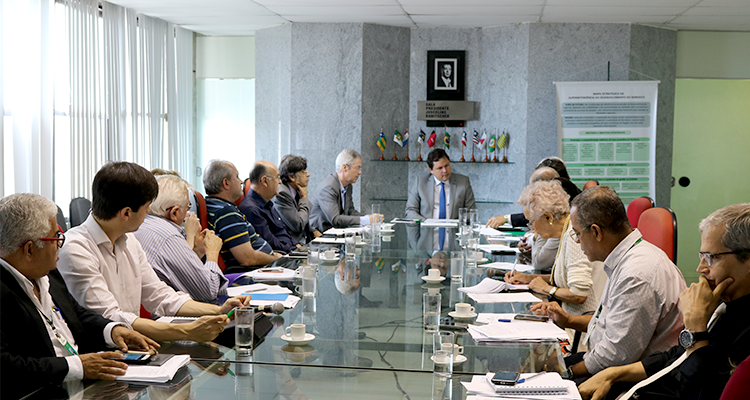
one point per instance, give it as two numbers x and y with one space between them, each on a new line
532 317
138 359
505 378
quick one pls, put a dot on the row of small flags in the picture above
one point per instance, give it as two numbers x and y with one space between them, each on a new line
480 142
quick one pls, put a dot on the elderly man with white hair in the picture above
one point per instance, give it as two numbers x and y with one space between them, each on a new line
46 337
168 247
332 203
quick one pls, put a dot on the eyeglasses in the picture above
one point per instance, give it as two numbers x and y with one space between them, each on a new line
189 206
709 258
577 235
359 168
59 238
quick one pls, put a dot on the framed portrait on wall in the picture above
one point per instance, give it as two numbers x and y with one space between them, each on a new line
445 75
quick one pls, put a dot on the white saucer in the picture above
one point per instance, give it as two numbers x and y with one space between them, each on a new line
308 338
428 279
482 260
456 360
334 259
455 315
387 231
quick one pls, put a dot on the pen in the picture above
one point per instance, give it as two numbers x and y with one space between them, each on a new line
229 314
503 320
531 377
254 290
513 271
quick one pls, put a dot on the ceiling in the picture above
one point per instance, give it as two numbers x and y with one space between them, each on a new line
244 17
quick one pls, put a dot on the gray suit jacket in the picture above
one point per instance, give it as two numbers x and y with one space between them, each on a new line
327 211
295 214
421 196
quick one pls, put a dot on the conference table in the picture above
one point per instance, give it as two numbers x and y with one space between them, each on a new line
370 341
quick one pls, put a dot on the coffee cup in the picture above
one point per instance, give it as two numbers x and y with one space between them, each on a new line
456 348
479 255
464 309
433 273
330 254
296 331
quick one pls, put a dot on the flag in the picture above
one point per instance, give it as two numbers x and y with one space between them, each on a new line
447 140
431 139
381 141
463 139
405 137
398 138
501 141
476 137
421 136
483 140
491 146
379 264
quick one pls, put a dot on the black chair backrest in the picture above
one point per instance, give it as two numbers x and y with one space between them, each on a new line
79 211
61 219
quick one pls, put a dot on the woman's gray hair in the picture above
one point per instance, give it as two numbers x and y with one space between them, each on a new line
214 175
348 157
735 219
24 217
545 196
173 191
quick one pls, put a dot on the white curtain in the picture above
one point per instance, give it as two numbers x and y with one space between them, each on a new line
27 98
180 100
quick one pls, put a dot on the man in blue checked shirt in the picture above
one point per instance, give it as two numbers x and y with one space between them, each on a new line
167 246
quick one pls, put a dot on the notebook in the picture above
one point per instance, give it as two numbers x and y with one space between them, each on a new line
550 383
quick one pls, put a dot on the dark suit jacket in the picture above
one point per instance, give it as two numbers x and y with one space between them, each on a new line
267 222
295 212
327 211
28 358
420 203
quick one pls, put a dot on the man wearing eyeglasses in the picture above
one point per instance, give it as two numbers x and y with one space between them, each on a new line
637 314
175 254
716 337
332 204
258 208
46 337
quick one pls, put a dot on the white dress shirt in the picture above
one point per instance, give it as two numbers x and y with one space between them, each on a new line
114 281
436 210
46 308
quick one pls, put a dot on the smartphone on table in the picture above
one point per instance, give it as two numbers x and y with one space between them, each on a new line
505 378
137 359
531 317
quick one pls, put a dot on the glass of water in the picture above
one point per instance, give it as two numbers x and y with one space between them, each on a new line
457 265
244 319
313 256
431 307
442 353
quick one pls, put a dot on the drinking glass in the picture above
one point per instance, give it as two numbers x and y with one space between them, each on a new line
457 265
431 306
244 320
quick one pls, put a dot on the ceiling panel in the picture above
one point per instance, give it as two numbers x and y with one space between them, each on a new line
486 3
323 11
613 11
394 20
470 21
473 10
643 19
719 11
623 3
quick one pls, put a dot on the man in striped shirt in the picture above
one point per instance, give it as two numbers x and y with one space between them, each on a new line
242 247
166 244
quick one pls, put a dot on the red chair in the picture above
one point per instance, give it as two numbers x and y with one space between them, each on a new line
202 210
144 313
658 226
637 207
246 186
590 184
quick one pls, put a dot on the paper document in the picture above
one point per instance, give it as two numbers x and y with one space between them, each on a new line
482 389
256 288
487 298
290 302
489 248
509 266
503 331
343 231
154 374
271 274
489 285
325 240
492 318
443 223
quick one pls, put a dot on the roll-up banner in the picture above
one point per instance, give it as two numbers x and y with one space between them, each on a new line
607 132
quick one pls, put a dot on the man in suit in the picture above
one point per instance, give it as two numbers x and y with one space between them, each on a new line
292 202
333 205
46 337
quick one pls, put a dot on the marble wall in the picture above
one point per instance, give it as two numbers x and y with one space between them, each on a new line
324 87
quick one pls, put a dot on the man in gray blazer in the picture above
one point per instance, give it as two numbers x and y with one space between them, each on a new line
332 204
292 202
439 194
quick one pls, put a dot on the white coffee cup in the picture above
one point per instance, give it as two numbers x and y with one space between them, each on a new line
456 348
479 255
330 254
433 273
464 309
296 331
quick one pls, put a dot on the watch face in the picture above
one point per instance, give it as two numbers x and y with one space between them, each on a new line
686 338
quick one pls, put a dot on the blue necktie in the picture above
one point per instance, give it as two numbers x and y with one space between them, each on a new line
441 215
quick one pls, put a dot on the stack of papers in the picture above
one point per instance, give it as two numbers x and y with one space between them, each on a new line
487 298
548 386
445 223
155 374
509 266
489 285
510 332
489 248
325 240
492 318
256 288
343 231
271 274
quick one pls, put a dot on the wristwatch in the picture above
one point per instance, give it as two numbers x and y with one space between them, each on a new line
567 374
689 338
553 291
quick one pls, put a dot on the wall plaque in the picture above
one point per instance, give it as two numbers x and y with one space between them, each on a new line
446 110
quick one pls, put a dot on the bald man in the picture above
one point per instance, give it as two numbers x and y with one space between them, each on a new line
259 210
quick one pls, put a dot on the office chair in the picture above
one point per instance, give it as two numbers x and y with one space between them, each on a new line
658 226
79 211
61 220
637 207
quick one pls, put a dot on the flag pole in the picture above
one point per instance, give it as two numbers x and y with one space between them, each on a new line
505 148
486 159
407 150
473 145
462 149
419 151
494 153
381 150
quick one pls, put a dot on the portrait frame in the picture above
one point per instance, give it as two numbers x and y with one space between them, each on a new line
437 62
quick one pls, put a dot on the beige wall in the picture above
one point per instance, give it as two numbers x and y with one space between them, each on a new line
225 57
718 55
